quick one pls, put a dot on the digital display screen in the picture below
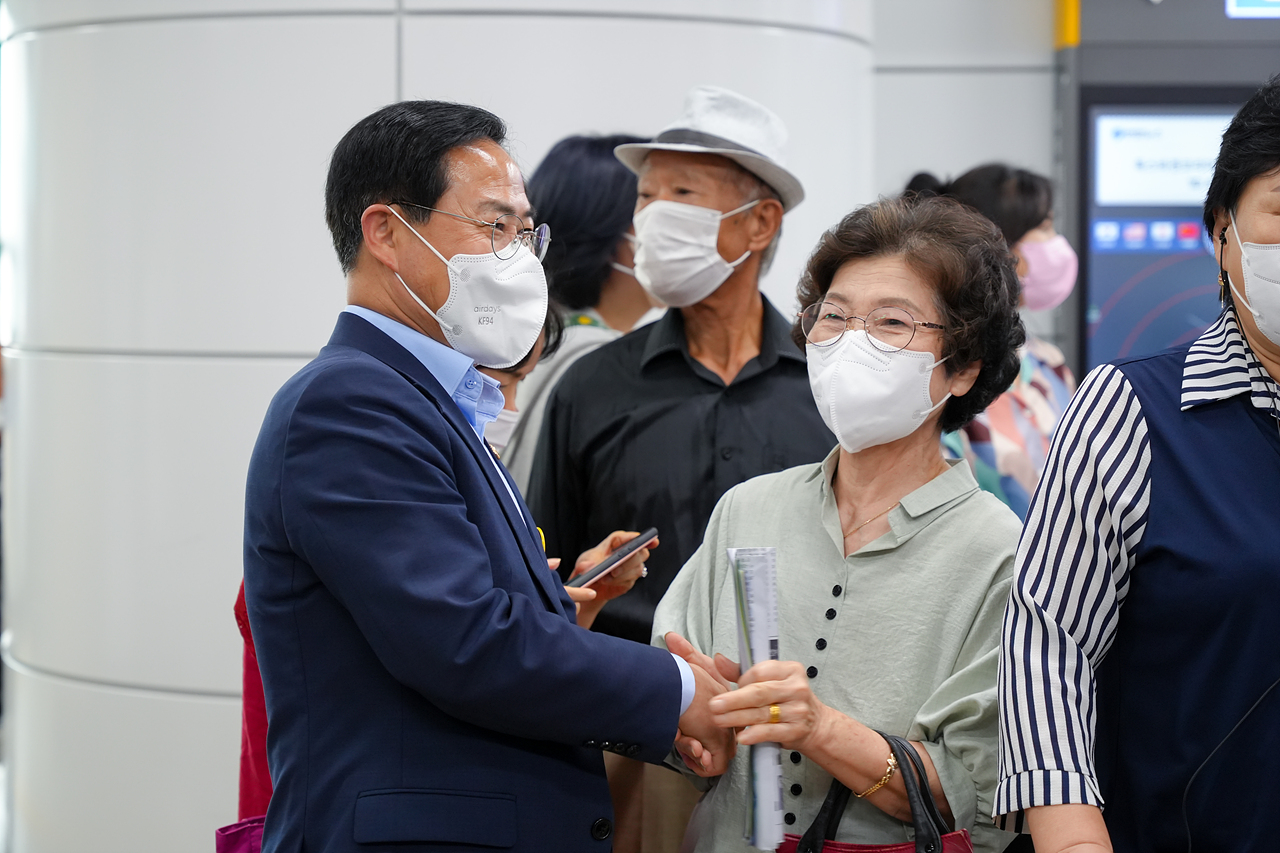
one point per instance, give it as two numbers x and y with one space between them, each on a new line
1151 278
1253 8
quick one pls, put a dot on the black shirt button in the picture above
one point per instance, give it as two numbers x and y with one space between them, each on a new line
795 758
836 590
812 672
796 790
821 644
602 829
788 818
831 614
726 453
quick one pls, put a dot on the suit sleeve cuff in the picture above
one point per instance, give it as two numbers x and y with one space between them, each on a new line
687 685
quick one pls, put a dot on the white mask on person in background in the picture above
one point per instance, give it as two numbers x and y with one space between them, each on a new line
1261 265
1051 272
495 308
676 256
869 397
498 431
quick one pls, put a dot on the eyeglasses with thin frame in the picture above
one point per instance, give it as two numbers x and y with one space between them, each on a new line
508 232
889 329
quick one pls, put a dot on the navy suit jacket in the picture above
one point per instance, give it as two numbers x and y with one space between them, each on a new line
426 685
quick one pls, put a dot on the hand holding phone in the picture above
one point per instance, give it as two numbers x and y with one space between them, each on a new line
615 559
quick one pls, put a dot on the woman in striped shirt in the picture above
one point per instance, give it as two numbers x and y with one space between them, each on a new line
1138 665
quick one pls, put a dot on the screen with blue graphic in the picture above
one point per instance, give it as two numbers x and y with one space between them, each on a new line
1150 274
1253 8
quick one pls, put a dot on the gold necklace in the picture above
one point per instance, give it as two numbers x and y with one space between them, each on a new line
871 519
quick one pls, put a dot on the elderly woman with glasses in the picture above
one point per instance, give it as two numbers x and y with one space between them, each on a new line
893 568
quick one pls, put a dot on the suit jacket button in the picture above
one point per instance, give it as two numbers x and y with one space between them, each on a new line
633 750
591 744
606 745
602 829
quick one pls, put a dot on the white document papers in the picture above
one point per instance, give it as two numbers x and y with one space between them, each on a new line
755 582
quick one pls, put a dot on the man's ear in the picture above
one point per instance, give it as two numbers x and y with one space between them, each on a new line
962 382
763 224
377 226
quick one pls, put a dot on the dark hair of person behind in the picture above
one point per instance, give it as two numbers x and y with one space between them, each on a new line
587 197
1250 147
1014 199
962 255
397 154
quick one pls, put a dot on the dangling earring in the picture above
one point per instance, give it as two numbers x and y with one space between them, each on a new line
1224 283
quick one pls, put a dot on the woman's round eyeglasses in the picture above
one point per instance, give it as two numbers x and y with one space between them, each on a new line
889 329
508 233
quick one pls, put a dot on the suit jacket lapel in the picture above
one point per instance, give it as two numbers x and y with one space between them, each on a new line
354 331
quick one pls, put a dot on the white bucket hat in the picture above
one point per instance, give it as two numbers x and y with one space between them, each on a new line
718 121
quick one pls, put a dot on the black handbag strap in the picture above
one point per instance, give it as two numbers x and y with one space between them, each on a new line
827 823
928 822
925 817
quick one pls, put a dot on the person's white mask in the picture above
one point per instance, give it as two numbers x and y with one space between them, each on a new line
498 432
495 308
869 397
1261 265
676 256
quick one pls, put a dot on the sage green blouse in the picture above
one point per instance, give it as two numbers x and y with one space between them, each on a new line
903 635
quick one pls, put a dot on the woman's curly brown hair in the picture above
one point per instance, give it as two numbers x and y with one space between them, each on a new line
962 255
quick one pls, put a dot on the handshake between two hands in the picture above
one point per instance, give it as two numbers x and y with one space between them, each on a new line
772 702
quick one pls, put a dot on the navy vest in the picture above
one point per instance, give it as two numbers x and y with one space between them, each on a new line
1188 704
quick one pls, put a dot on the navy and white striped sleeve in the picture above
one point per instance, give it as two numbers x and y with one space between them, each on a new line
1077 549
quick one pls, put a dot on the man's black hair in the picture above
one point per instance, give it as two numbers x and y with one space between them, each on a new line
397 154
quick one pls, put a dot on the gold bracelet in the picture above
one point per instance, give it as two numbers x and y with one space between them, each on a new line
884 780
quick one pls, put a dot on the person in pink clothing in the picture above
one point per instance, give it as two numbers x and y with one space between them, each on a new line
1008 443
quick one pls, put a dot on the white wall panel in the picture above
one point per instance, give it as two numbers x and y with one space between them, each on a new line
116 771
173 188
851 17
947 122
931 33
23 15
819 84
125 523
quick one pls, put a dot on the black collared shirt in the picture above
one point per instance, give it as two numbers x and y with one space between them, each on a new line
639 434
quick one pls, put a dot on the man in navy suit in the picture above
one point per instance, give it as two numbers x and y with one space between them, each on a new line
426 685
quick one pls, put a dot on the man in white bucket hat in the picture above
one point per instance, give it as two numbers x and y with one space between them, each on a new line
652 429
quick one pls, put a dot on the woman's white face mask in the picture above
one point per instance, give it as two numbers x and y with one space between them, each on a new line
1261 265
867 396
499 431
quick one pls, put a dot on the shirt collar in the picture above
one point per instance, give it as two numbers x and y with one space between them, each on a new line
913 513
667 335
478 396
1220 365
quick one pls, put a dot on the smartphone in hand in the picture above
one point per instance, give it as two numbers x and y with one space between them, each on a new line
615 559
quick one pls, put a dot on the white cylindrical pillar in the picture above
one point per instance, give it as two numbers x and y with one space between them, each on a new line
164 266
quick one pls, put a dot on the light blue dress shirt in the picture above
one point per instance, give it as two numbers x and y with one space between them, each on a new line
480 399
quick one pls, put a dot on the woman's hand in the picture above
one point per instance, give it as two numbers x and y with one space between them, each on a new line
612 585
802 719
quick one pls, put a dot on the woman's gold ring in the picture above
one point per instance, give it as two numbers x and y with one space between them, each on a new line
775 714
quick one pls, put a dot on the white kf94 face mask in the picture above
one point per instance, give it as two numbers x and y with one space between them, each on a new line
495 308
867 396
676 257
1261 265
